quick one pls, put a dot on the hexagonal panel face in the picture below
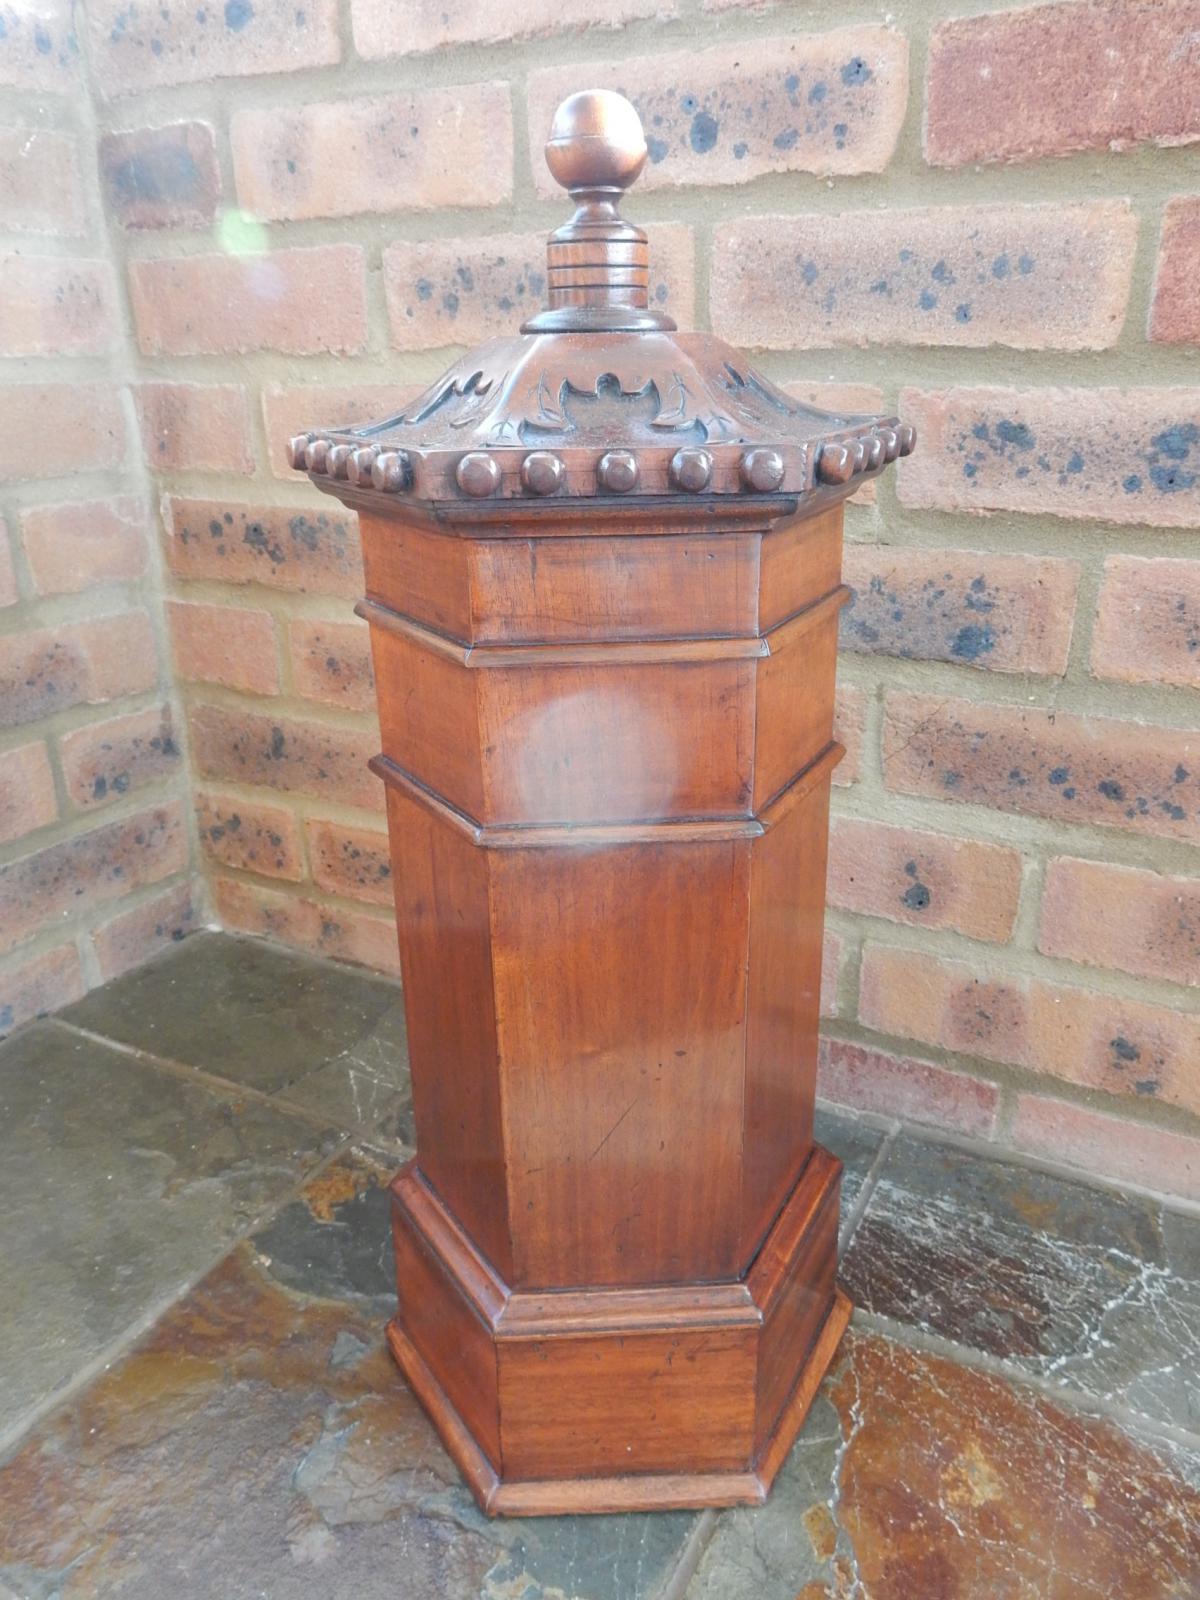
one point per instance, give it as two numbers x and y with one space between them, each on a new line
621 997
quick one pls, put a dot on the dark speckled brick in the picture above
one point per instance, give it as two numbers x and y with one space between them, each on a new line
1135 776
828 102
972 608
161 177
1115 455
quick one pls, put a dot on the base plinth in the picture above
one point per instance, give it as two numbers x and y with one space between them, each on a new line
618 1399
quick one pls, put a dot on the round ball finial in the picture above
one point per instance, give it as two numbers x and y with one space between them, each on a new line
596 142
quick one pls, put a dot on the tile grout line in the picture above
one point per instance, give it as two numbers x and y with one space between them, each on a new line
696 1543
183 1069
136 1330
850 1225
913 1337
355 1132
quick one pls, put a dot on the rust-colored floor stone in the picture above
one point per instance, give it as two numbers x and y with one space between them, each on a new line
919 1479
259 1442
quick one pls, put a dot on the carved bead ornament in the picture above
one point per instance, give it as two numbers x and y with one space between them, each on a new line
599 395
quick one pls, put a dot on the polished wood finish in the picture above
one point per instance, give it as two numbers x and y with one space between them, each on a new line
603 586
607 754
589 1400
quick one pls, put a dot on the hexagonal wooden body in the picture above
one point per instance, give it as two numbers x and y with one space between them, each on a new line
607 741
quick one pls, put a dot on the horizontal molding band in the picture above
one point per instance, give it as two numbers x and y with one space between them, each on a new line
607 652
593 835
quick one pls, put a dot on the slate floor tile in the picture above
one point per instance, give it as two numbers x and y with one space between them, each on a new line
260 1442
357 1102
118 1183
917 1478
1094 1290
246 1011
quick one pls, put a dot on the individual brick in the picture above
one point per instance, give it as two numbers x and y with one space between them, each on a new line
914 995
78 663
105 760
1155 935
924 879
1047 80
1099 1041
405 27
56 306
353 862
899 1086
845 399
849 722
331 663
135 48
75 545
39 985
300 302
27 798
40 187
1147 627
131 937
454 291
831 972
249 836
78 873
1074 769
408 152
1034 277
161 177
295 408
827 103
279 546
970 607
1116 455
332 931
313 758
9 593
1114 1147
194 427
230 645
38 47
1175 308
79 428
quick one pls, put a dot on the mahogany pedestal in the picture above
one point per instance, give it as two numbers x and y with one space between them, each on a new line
607 745
603 582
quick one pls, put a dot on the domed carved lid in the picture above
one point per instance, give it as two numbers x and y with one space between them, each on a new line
598 395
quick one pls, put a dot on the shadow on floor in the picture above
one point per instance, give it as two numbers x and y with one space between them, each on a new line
197 1401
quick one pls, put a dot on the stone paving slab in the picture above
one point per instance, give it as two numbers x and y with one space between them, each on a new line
260 1442
917 1478
118 1184
1096 1291
261 1017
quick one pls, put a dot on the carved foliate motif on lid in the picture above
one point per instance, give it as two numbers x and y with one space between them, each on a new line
598 395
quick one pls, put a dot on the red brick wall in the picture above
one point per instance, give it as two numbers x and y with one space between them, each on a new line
990 221
95 815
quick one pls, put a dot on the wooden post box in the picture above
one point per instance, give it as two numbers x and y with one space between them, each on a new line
603 583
